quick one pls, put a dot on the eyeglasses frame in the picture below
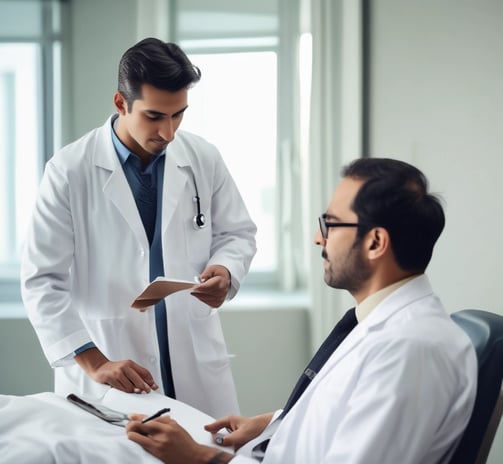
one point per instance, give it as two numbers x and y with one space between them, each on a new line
324 226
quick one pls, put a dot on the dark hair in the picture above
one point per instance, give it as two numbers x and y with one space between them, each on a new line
395 196
160 64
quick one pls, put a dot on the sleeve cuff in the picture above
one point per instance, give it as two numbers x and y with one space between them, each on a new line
83 348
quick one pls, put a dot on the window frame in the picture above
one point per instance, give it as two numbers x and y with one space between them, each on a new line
47 41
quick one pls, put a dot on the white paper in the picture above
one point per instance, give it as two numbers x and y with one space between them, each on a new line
160 288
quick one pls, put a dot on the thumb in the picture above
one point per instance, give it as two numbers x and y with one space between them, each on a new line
205 275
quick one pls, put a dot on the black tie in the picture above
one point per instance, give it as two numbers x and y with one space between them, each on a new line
338 334
334 339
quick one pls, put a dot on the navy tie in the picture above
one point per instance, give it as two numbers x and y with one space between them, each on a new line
335 338
156 270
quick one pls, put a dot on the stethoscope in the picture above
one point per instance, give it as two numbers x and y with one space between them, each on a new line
199 220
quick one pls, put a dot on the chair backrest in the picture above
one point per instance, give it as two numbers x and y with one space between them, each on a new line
485 330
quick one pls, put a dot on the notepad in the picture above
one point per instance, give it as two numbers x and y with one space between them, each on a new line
160 288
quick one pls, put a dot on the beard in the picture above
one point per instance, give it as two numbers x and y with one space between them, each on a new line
348 272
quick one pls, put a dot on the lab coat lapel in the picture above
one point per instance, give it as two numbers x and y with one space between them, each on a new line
177 172
346 347
411 291
116 187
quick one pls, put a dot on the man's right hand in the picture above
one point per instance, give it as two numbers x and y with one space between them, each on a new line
241 429
125 375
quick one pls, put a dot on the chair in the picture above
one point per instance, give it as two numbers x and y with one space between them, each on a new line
485 330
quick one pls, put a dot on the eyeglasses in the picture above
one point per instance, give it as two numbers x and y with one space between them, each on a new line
324 225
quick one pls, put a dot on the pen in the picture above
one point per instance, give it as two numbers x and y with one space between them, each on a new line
156 414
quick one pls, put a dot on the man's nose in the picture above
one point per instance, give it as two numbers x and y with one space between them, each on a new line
167 130
318 238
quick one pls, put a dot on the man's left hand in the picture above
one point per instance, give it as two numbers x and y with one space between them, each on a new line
215 284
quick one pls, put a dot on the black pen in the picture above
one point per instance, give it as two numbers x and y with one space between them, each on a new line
156 414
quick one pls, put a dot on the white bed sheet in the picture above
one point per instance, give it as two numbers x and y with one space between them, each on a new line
45 428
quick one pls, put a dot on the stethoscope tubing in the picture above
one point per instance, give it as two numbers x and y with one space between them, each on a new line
199 220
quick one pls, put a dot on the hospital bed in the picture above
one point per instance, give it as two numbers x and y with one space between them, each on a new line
45 428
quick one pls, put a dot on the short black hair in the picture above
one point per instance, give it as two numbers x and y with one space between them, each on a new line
162 65
395 196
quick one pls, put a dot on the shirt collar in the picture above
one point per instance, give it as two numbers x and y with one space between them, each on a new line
122 151
369 303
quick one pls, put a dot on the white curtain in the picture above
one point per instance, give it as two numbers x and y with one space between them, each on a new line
335 134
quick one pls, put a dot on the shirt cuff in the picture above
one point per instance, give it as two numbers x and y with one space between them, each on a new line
83 348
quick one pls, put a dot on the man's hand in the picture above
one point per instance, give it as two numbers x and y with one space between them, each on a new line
241 429
125 375
215 284
168 441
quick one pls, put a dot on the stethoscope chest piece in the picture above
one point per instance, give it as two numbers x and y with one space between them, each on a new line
199 220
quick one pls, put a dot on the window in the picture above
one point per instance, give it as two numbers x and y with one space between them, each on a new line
246 102
244 50
28 49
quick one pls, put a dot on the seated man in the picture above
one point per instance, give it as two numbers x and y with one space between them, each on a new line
400 385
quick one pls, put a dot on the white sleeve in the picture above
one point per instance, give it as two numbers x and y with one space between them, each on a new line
396 411
45 271
233 242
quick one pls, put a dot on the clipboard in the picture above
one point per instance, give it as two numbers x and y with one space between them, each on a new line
109 415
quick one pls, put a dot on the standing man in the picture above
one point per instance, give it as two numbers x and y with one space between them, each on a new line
127 202
395 381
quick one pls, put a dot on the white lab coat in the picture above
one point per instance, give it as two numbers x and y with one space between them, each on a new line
87 257
399 389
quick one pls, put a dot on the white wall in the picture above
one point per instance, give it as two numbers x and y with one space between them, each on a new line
437 101
99 32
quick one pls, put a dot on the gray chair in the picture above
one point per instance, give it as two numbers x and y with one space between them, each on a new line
485 330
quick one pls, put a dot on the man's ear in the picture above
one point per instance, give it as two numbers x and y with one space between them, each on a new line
377 242
120 103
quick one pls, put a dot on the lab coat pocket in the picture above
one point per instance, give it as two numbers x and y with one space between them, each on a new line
199 244
208 341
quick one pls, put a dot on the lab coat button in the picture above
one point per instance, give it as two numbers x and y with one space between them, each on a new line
153 359
142 252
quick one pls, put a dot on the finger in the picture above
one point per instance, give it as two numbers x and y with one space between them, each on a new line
137 380
224 422
160 429
137 437
123 381
234 439
211 300
146 376
148 428
220 440
206 288
205 275
119 381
